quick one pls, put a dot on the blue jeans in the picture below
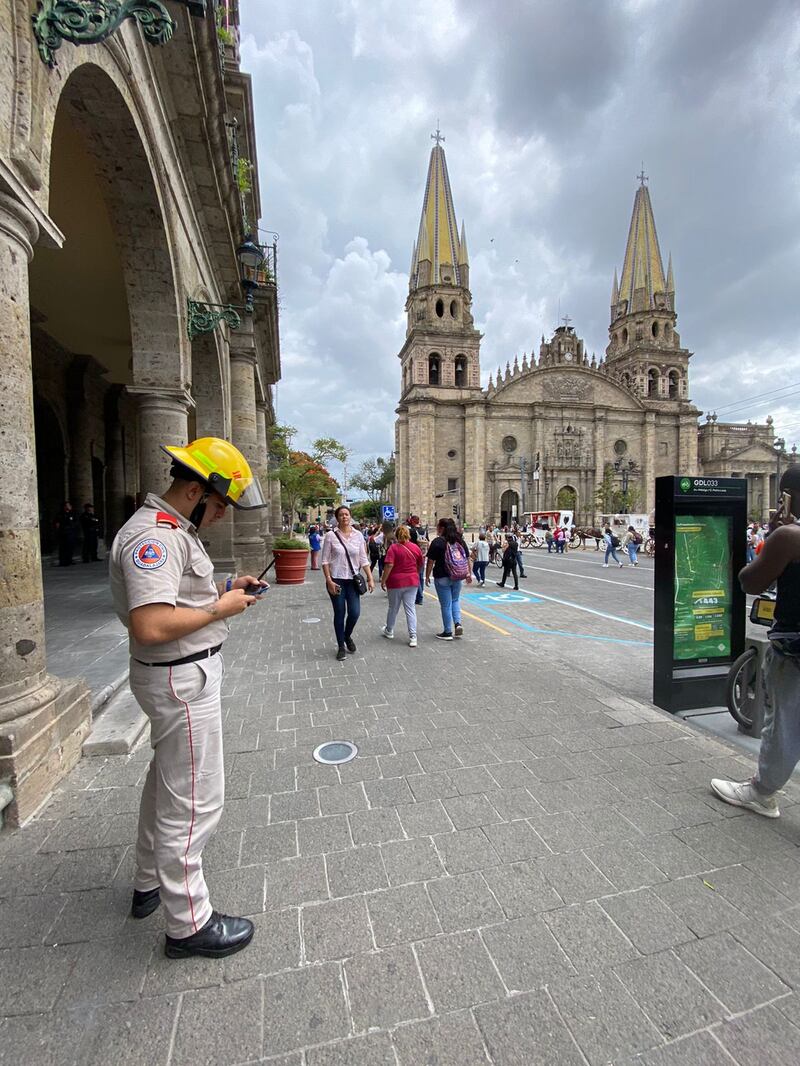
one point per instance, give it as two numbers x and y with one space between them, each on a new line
421 588
751 553
479 570
613 553
633 552
346 608
520 565
449 593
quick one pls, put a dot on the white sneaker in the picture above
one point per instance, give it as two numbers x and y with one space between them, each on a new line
605 565
744 794
412 643
621 565
388 633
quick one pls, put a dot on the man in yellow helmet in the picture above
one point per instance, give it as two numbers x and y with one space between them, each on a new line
162 582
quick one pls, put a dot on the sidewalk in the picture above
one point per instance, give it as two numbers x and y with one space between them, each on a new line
521 868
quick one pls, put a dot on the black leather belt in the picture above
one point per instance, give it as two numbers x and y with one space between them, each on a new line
206 653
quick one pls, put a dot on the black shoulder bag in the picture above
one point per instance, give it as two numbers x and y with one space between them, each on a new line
359 580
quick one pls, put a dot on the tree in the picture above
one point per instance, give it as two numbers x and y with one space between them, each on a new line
364 511
303 477
373 477
609 499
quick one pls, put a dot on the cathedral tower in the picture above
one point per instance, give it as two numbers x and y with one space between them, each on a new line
644 350
440 359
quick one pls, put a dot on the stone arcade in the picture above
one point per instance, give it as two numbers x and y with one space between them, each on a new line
128 184
547 431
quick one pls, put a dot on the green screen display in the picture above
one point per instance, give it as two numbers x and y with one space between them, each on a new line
702 618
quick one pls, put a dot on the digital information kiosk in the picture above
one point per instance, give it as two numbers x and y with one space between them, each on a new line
699 604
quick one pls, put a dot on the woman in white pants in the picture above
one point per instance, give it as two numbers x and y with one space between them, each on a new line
400 578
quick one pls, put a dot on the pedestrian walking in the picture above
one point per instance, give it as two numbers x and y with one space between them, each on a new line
90 531
611 541
779 560
66 526
559 539
481 559
315 543
347 576
509 562
632 541
549 540
400 579
448 562
520 561
417 537
162 584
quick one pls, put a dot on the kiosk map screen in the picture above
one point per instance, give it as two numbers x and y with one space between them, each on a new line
702 613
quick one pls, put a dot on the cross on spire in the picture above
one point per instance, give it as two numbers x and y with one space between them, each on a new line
566 320
643 179
438 136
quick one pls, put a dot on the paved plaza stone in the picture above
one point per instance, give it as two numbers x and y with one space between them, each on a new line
520 867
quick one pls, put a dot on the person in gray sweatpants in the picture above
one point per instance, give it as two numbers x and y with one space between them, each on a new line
780 676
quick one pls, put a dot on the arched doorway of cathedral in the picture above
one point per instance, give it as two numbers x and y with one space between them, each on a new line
509 508
106 335
567 499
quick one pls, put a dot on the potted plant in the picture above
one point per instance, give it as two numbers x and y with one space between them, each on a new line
291 560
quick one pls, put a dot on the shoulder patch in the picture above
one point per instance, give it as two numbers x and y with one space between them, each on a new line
164 519
149 554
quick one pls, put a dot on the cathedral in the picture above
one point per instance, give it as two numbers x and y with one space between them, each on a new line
549 432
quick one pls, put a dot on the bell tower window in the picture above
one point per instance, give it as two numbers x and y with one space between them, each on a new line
434 369
453 309
674 385
652 383
461 371
440 308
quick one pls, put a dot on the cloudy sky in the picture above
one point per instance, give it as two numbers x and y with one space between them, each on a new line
549 108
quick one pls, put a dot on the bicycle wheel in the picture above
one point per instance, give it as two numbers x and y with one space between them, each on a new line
497 561
650 546
741 688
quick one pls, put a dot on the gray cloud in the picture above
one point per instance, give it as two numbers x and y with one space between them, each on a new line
548 108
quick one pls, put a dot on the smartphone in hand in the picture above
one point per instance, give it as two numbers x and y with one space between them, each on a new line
256 590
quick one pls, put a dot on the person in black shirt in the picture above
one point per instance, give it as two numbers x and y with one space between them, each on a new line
67 529
779 560
448 589
90 528
509 562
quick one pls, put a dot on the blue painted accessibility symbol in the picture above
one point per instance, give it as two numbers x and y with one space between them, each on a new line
502 597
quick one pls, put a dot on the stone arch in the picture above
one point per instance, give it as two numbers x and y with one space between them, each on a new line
567 499
653 381
51 467
509 507
461 371
434 369
674 383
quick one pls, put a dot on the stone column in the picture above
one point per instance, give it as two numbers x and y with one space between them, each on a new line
42 721
115 467
262 472
162 420
765 497
474 464
599 458
248 544
649 462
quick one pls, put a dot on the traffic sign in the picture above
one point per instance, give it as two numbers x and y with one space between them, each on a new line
388 513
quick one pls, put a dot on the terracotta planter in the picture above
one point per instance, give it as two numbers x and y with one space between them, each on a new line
290 565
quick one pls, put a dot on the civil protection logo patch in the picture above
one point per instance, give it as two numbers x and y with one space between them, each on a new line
149 554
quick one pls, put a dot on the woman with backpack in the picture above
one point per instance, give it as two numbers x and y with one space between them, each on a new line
448 561
400 578
631 541
612 543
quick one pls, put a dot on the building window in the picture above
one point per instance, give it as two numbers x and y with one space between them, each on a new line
451 454
674 385
654 330
452 484
624 336
620 447
652 383
453 309
434 367
663 447
440 308
509 445
461 371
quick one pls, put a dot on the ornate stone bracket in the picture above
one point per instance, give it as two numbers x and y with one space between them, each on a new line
92 21
203 318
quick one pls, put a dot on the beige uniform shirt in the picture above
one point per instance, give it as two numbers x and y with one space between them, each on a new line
154 561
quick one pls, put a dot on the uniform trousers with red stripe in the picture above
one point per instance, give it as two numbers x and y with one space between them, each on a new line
185 786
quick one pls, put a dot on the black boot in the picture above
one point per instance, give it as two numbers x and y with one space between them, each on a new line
350 644
145 903
341 653
221 935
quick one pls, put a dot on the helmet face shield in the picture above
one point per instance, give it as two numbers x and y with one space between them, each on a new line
246 498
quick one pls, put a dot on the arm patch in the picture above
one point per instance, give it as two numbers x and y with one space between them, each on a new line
149 554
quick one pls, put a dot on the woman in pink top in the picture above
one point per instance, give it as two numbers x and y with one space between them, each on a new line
400 578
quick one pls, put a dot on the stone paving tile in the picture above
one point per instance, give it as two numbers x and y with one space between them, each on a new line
515 840
464 851
424 819
605 1020
526 954
411 860
275 946
108 971
26 920
262 844
238 891
764 1036
449 1040
625 866
591 941
372 1050
458 971
342 799
463 902
647 922
527 1031
336 929
388 792
318 835
669 993
385 988
699 1049
574 877
775 943
520 889
402 914
730 972
291 882
355 870
431 786
466 812
375 826
747 891
220 1024
699 905
303 1007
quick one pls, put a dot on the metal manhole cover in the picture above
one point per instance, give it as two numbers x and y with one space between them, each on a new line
334 752
308 621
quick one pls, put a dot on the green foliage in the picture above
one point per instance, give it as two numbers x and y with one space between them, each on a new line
609 497
326 448
244 171
364 511
303 478
226 36
289 544
373 477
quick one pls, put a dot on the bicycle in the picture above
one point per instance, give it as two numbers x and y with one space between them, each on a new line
741 689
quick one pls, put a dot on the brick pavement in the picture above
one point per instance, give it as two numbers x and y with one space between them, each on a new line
519 868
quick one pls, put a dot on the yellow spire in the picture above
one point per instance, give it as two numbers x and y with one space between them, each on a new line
438 229
643 270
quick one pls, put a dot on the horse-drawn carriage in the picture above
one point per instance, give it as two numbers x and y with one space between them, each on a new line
539 522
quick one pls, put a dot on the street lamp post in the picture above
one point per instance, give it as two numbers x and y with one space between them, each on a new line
778 445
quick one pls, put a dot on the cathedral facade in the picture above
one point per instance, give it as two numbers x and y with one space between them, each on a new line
560 429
